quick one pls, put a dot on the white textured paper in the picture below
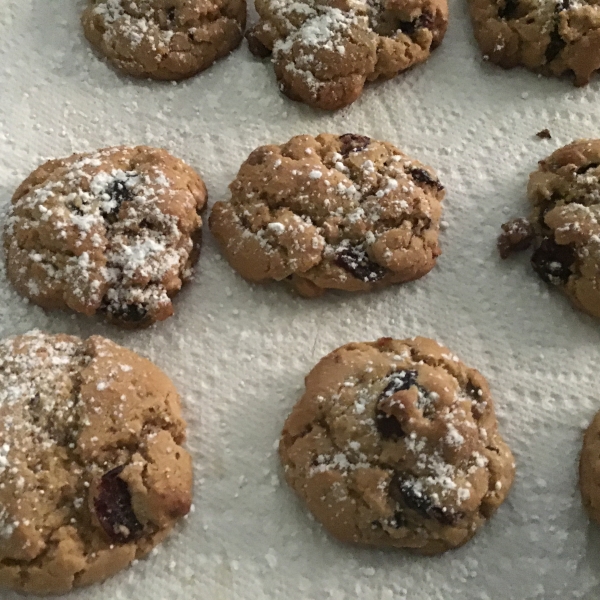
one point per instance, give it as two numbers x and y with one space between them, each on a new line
238 353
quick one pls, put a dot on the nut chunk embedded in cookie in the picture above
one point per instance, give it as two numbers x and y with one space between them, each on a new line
161 39
333 212
114 232
564 194
395 443
92 472
551 37
324 52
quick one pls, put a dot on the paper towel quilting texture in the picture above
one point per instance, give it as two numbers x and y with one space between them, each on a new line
238 352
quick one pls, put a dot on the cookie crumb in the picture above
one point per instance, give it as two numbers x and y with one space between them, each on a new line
544 134
516 236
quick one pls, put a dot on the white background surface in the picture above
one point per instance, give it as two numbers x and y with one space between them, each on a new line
238 353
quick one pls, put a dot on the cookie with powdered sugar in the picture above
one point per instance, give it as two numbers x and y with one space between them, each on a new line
395 443
332 212
324 52
164 40
551 37
92 471
564 223
113 232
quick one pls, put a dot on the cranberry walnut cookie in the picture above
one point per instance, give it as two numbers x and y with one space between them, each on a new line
552 37
395 443
164 39
114 232
324 52
564 224
332 212
92 472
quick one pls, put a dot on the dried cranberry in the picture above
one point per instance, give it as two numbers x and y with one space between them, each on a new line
509 11
423 21
587 168
422 176
113 508
119 192
387 425
553 261
129 313
255 46
405 492
171 13
555 46
516 235
351 142
357 262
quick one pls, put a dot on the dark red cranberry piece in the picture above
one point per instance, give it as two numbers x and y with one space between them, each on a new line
171 13
113 508
351 142
422 176
423 21
555 46
119 192
516 235
357 262
387 425
509 10
587 168
128 313
406 493
256 47
552 261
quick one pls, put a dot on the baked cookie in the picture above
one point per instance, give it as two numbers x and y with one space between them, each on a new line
341 212
114 232
324 52
551 37
164 39
589 470
395 443
565 222
92 472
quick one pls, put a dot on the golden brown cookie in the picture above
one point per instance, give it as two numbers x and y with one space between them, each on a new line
589 470
395 443
551 37
115 232
565 221
332 212
92 472
164 39
324 52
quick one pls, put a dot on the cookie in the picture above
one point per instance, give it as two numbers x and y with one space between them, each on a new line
395 443
565 222
92 472
114 232
164 40
325 52
589 470
332 212
550 37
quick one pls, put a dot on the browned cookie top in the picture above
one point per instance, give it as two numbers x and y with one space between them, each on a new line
395 443
344 212
565 219
92 472
325 51
115 231
551 36
164 39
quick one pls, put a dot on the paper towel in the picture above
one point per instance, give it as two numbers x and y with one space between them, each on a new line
238 353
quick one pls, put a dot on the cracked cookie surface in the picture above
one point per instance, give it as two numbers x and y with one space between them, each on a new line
164 39
92 472
114 232
565 196
325 52
332 212
548 36
395 443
